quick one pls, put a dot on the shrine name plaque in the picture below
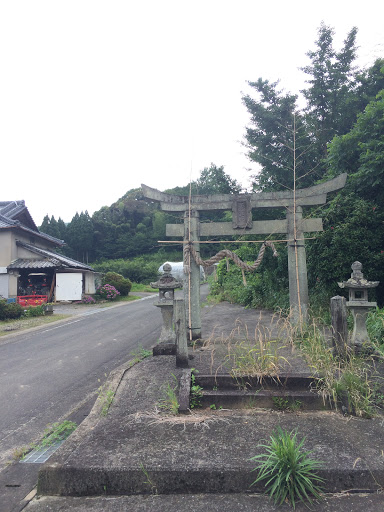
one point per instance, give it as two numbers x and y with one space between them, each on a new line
242 213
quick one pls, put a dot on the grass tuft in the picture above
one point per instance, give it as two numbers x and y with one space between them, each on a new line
289 470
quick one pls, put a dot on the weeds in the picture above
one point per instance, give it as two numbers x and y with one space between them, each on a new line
196 391
169 403
284 404
148 480
375 328
57 432
20 452
256 360
289 471
340 381
52 434
140 353
106 397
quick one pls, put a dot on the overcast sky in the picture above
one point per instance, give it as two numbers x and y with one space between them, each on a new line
97 97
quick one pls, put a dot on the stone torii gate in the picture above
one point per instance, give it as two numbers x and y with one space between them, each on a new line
294 225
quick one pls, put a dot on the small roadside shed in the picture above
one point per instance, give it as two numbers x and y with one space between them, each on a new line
29 265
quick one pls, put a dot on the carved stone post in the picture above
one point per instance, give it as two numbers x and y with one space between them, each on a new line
192 280
339 325
297 267
181 334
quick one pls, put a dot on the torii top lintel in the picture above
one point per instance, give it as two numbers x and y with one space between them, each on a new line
304 197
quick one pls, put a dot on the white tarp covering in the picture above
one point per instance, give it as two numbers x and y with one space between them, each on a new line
69 286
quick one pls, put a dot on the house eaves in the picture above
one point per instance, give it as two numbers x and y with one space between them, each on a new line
15 215
59 259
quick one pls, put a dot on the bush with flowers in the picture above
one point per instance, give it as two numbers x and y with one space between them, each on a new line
87 299
107 292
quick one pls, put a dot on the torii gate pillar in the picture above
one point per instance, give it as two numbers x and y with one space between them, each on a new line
297 267
192 280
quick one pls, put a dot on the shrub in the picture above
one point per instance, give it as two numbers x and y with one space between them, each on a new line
14 310
10 311
267 288
123 285
87 299
34 311
107 292
3 309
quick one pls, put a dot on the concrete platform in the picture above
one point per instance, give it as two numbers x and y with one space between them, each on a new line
137 450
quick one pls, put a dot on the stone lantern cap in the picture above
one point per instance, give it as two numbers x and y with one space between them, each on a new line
167 281
166 285
358 287
357 279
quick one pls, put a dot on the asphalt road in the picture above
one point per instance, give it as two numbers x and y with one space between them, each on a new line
47 374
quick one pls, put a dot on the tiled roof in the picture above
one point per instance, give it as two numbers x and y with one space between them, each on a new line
23 263
47 259
14 214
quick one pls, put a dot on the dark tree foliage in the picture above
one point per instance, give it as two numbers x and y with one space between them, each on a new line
278 133
80 236
214 180
331 84
354 220
52 227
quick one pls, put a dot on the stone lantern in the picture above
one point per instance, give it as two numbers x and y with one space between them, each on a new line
166 285
358 303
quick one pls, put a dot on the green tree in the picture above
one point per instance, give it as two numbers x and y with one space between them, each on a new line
354 220
331 109
80 233
62 229
331 82
50 227
360 152
213 180
45 225
269 139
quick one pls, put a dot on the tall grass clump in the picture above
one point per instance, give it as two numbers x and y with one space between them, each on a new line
255 360
375 328
342 382
290 472
169 402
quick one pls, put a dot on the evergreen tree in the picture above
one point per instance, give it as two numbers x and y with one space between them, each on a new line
50 227
44 228
331 85
330 110
354 220
214 180
62 229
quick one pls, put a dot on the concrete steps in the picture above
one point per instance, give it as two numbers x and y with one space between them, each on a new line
286 392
